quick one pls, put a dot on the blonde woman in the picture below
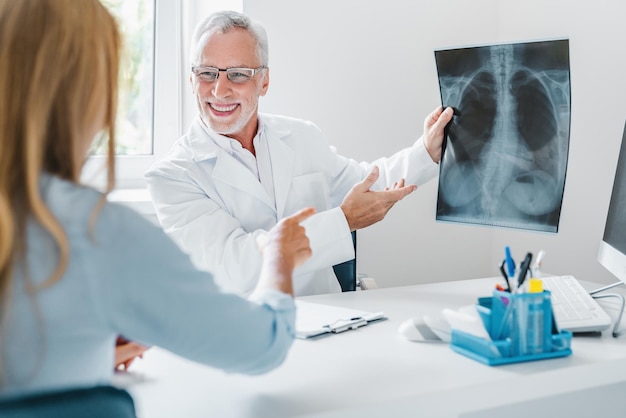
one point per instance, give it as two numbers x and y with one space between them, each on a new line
76 271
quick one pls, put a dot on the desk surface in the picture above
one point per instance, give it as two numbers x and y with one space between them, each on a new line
373 372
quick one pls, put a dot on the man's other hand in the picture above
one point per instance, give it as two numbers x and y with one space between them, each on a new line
364 207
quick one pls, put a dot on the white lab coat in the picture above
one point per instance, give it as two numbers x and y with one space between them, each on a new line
214 207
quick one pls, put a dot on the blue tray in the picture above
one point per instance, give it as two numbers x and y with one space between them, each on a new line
501 350
495 353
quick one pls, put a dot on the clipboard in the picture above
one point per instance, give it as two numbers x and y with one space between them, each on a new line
314 319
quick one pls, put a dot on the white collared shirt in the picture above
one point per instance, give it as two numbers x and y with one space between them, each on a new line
260 166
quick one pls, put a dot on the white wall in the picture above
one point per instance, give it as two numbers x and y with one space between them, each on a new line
364 71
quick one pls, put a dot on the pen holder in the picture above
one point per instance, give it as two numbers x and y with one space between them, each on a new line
521 329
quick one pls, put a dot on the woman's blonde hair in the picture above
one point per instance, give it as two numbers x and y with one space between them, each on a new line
59 64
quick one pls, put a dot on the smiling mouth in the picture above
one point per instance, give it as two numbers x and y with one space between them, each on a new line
217 108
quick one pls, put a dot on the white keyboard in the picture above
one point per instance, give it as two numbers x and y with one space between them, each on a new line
574 308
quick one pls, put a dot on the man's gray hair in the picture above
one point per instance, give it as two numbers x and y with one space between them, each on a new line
223 22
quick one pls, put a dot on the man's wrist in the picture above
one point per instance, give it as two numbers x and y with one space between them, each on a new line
348 221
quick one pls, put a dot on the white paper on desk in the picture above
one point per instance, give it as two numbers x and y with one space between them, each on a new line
466 319
312 319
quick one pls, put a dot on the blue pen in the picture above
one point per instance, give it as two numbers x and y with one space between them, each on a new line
510 263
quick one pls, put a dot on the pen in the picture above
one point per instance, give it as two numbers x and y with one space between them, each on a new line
524 269
506 278
510 263
536 270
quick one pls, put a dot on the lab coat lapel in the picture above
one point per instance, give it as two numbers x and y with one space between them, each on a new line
282 157
229 172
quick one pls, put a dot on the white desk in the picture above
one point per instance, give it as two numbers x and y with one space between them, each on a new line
374 372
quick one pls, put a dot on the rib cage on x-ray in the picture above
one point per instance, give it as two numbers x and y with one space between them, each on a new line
505 158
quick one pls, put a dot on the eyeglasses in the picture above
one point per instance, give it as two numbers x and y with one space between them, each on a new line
236 75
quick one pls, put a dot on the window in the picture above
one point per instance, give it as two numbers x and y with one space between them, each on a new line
155 92
148 119
134 121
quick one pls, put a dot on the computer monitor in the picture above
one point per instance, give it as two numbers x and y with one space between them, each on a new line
612 253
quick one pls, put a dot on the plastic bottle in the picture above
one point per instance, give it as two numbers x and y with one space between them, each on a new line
535 325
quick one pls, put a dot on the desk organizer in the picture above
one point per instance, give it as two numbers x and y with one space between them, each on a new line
521 328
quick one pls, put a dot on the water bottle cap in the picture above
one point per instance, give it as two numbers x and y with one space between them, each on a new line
535 285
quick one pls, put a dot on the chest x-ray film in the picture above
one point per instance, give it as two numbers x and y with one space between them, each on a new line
505 157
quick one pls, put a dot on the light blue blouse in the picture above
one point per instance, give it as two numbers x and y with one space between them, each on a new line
126 278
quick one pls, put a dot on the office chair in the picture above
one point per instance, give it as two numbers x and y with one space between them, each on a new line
95 402
346 271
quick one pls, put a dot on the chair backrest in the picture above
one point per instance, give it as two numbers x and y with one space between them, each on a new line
95 402
346 271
